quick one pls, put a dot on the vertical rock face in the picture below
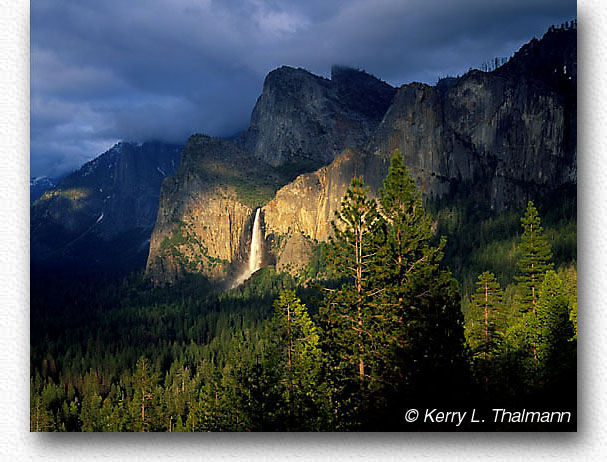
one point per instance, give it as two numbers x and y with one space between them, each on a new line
507 135
308 204
304 120
511 130
202 235
102 215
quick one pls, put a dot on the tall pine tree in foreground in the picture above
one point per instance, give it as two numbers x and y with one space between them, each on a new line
397 316
534 258
349 312
422 302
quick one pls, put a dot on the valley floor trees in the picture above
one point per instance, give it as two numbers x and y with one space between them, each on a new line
527 344
384 333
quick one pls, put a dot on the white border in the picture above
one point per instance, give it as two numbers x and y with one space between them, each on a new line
17 443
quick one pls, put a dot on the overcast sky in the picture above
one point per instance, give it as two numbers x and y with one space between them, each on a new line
110 70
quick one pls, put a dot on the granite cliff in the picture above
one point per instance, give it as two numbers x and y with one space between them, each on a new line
503 136
303 121
206 210
300 122
511 133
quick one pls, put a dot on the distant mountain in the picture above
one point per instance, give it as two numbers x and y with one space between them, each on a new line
100 217
500 137
38 185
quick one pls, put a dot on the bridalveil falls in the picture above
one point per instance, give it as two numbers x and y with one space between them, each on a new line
254 262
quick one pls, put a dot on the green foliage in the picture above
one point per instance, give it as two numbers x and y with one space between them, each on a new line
145 402
481 240
542 340
485 324
294 356
393 299
41 419
406 252
350 313
379 332
175 240
420 299
554 326
569 278
534 257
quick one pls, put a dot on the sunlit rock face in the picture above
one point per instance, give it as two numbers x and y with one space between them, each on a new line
308 204
201 219
101 216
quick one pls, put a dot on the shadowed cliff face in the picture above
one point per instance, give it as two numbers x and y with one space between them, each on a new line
505 136
101 216
510 133
304 120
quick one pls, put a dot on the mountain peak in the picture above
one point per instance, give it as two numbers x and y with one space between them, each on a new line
302 119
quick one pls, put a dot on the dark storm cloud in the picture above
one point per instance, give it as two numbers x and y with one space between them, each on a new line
157 69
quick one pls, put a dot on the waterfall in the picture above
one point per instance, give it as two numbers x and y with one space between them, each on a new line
255 254
254 262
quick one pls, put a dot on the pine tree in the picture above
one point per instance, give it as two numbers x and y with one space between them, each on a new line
113 413
485 325
555 328
90 413
145 395
177 391
352 249
41 420
348 313
569 278
407 245
295 354
534 258
411 332
406 255
542 339
420 300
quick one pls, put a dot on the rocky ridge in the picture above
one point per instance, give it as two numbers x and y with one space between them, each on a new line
39 185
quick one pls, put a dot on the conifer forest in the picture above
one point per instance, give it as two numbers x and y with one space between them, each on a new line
387 319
